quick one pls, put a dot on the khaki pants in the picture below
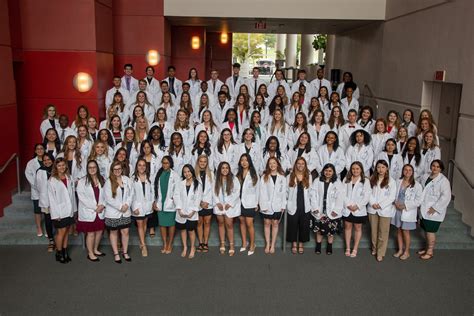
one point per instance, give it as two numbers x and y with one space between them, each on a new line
379 230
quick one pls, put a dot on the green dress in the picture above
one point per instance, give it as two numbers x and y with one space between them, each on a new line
167 218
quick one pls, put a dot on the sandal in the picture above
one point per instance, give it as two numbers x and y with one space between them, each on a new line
421 252
231 249
301 250
222 248
353 253
51 246
426 256
293 250
205 248
200 248
397 254
347 253
404 257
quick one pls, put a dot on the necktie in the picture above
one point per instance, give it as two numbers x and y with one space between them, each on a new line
172 86
235 80
127 81
63 134
255 88
214 87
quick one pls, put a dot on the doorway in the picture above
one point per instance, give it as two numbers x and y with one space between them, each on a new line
443 99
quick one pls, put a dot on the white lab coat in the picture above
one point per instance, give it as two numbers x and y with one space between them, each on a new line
411 129
311 157
78 171
218 112
430 155
187 202
284 161
63 133
272 88
250 82
214 87
133 85
207 190
167 203
109 96
171 111
177 85
194 87
357 195
188 136
378 142
419 169
180 159
334 200
41 183
85 148
104 165
261 139
344 135
346 106
134 152
142 201
249 196
46 124
368 127
233 199
282 136
228 154
167 130
234 90
87 201
237 135
385 198
318 83
213 134
317 138
152 87
337 158
364 154
30 173
272 196
396 165
114 204
310 89
264 114
255 153
436 194
355 94
413 197
292 196
62 200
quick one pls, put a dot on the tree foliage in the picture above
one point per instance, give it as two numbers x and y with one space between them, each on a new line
243 49
320 42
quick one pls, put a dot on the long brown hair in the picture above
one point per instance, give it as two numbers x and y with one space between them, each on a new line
77 151
78 119
54 172
412 178
268 172
374 179
349 172
229 183
88 177
178 124
293 174
113 179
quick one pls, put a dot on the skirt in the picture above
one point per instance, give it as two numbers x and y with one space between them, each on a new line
166 219
274 216
90 227
152 220
247 212
355 219
188 226
118 223
36 207
206 212
397 222
326 226
63 222
429 226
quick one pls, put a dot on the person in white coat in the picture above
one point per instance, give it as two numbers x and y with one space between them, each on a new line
90 209
379 136
248 178
360 150
175 85
214 83
153 85
331 152
50 119
227 204
310 89
434 204
272 201
225 149
118 197
117 88
279 81
366 120
326 207
254 82
320 81
347 81
249 146
73 156
194 82
41 183
235 81
303 148
187 197
272 149
392 157
408 199
30 173
165 184
298 206
430 151
412 154
381 208
129 83
356 196
62 205
143 198
206 178
408 121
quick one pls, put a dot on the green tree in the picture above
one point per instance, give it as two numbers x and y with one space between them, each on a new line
320 42
247 47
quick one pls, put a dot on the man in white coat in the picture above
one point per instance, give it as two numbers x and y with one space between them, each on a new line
129 83
175 85
109 95
214 83
279 80
235 81
142 86
153 85
320 81
347 129
254 82
204 90
64 130
295 86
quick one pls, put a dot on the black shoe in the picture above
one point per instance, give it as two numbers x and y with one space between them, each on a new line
119 261
93 260
317 250
60 256
66 255
100 255
329 249
129 259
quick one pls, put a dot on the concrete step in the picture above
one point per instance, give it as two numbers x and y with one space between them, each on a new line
17 227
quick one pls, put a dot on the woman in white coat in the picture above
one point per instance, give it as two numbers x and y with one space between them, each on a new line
118 196
303 148
436 198
178 152
165 183
408 199
187 197
298 206
62 205
248 178
360 150
429 151
227 204
356 197
381 209
50 119
142 202
331 152
41 183
326 207
91 209
272 201
73 156
250 147
30 173
392 157
225 150
206 178
412 154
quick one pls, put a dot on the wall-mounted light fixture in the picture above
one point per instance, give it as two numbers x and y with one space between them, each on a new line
195 42
82 81
153 57
224 38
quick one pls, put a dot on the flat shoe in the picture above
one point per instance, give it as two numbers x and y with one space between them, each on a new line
93 260
404 257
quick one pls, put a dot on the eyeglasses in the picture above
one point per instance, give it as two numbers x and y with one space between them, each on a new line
117 169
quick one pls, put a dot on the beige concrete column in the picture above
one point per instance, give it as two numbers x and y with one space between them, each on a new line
280 44
291 50
330 49
308 54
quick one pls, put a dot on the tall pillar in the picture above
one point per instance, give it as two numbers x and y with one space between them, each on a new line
291 50
280 44
330 49
308 54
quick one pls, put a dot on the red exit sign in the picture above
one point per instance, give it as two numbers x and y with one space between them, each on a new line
260 25
440 75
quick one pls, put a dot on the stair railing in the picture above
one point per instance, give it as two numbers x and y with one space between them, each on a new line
451 165
2 169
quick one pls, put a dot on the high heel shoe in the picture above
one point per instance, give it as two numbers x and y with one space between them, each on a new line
119 261
222 248
126 257
329 249
60 257
317 250
251 251
93 260
67 258
231 249
144 251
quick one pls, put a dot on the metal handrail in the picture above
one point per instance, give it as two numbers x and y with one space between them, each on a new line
372 96
452 163
13 156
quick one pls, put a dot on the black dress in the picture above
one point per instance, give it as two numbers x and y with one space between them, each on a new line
298 223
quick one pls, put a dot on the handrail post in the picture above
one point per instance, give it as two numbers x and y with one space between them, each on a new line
18 174
283 241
